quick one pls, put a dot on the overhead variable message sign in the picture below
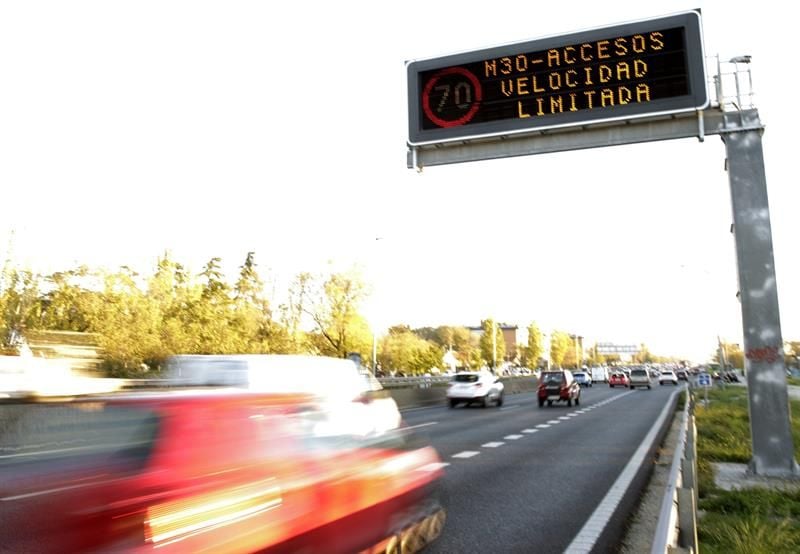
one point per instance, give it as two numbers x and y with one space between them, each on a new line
626 71
612 348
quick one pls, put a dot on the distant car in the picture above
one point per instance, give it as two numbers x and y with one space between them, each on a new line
682 375
583 378
668 377
639 378
618 379
475 386
558 386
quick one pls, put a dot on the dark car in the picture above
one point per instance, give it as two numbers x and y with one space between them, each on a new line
558 386
682 375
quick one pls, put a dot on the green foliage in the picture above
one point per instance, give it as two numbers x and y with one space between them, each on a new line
447 337
404 351
333 308
723 427
534 350
560 344
747 534
492 351
19 302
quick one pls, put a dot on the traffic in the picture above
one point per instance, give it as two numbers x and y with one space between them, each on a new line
289 453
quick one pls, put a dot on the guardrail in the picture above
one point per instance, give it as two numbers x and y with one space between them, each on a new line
676 530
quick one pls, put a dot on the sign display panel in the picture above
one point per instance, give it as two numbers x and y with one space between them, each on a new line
625 71
611 348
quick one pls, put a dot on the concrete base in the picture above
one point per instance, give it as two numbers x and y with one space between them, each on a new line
737 477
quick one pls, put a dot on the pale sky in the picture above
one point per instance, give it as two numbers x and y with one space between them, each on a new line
216 128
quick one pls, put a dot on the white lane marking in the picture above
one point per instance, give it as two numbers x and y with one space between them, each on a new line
553 422
530 430
586 538
573 414
510 407
542 426
422 425
563 418
433 466
512 437
466 454
580 411
493 444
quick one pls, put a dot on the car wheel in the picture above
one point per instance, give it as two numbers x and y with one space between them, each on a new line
500 400
541 402
549 402
578 400
486 401
610 385
452 403
648 387
569 402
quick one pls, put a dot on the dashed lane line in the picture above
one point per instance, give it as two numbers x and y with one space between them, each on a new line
512 437
466 454
493 444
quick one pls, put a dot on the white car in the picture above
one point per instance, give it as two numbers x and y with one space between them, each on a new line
475 386
668 377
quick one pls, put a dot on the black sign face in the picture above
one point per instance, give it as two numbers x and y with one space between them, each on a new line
621 72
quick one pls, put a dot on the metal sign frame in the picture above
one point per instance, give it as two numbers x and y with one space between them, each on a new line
697 97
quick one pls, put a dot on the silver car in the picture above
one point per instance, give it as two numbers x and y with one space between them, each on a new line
640 378
475 386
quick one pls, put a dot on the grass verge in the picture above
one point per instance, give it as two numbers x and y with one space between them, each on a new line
746 521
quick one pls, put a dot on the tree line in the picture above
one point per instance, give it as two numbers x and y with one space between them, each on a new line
141 319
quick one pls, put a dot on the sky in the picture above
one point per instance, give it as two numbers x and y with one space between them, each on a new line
217 128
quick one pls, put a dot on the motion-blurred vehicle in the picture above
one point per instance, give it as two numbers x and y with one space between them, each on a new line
682 375
668 377
584 379
475 386
639 378
618 379
213 470
558 386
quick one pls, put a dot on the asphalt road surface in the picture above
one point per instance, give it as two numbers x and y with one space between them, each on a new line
526 479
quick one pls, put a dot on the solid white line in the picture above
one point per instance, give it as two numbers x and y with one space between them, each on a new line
586 538
421 425
493 444
466 454
512 437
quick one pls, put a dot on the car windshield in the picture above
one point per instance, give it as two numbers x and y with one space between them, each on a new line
465 379
552 377
639 372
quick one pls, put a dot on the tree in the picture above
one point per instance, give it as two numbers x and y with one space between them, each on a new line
535 347
19 301
294 309
339 328
404 351
559 346
492 351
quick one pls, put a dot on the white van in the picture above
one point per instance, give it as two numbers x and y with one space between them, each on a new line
599 374
333 380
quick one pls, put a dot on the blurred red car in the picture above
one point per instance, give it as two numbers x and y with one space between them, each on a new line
618 379
218 471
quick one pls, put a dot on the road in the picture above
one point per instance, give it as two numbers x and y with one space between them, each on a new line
526 479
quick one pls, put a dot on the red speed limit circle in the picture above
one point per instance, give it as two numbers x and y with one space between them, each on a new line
475 104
